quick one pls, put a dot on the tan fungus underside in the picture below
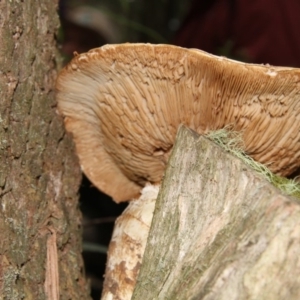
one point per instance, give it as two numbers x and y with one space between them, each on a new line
124 103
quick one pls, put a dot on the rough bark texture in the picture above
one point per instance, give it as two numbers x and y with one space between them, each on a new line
40 234
219 231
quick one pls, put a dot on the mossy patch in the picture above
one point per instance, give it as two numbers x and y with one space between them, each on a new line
232 142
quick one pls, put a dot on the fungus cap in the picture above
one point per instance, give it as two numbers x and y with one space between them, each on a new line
124 103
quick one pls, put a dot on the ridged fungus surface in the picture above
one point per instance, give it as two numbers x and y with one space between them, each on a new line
124 103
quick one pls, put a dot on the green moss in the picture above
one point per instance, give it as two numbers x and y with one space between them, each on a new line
232 142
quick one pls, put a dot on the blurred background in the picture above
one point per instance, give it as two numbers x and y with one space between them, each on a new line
257 31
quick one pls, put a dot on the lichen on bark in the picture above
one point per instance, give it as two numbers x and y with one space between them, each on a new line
39 173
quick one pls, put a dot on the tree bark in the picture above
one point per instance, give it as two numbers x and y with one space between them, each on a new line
40 231
219 231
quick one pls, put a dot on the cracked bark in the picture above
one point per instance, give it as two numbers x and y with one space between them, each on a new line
219 231
40 233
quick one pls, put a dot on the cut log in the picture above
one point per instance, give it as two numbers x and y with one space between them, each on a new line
219 231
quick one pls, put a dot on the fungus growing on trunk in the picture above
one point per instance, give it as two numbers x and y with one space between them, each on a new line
124 103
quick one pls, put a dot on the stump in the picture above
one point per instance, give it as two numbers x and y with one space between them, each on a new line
219 231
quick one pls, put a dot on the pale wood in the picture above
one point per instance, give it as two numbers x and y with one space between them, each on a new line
219 231
127 246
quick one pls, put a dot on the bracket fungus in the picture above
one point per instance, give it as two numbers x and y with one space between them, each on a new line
124 103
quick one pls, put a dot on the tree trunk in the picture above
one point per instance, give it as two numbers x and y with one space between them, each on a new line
219 231
40 233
